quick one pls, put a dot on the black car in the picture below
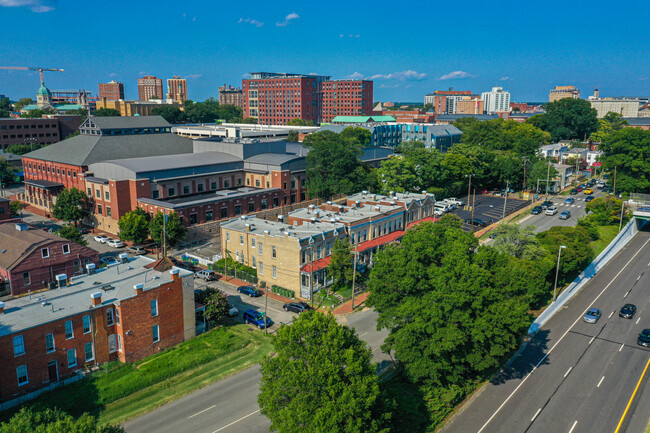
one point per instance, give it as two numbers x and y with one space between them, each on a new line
296 307
476 222
537 210
589 198
644 338
573 191
250 291
547 203
627 311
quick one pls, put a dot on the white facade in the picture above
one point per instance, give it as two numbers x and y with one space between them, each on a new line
623 106
496 101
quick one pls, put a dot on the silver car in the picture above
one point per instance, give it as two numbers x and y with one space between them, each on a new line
592 315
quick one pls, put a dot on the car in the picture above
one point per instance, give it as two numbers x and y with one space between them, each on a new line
115 243
592 315
573 191
249 291
588 191
579 189
569 200
476 222
589 198
510 191
108 260
296 307
450 205
101 239
547 204
455 201
206 275
233 311
136 250
565 215
256 318
536 210
552 210
601 185
644 338
438 212
627 311
83 230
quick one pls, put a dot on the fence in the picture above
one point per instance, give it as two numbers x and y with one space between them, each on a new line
603 258
236 273
283 292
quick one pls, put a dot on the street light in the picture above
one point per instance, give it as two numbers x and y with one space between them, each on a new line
469 188
557 271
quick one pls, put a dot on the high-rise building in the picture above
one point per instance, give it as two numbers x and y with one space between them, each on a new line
177 89
626 107
229 95
346 98
150 87
112 91
470 105
444 101
496 101
561 92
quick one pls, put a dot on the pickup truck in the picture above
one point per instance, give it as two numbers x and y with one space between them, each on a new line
455 201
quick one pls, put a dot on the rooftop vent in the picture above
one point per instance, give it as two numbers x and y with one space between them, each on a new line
21 227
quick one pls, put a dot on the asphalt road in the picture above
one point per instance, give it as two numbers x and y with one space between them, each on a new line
573 376
230 405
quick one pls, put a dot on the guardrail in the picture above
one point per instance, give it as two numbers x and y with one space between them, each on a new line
599 262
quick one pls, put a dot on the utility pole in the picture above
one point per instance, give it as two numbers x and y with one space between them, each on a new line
311 274
473 204
557 271
469 187
354 271
505 202
615 180
525 163
548 175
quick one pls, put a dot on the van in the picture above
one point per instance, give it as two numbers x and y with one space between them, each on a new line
206 275
136 250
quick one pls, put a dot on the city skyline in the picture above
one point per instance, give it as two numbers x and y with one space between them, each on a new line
209 45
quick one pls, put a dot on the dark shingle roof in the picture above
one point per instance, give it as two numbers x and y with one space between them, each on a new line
168 162
122 122
638 121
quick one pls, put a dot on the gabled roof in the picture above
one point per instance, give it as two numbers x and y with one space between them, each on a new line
16 245
124 122
363 119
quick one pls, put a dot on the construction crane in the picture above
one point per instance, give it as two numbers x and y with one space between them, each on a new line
32 68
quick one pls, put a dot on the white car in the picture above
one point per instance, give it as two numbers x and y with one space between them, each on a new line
109 260
450 204
438 212
101 239
551 210
455 201
115 243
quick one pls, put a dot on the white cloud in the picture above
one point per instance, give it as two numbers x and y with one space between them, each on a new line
388 86
193 76
250 21
341 35
355 76
349 36
409 75
456 75
112 74
287 19
38 6
504 78
142 72
246 76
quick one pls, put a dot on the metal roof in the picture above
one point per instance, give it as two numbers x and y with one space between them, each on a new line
168 162
124 122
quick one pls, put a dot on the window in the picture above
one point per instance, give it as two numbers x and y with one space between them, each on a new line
21 372
199 187
108 211
260 248
26 280
273 252
112 343
110 320
86 323
251 206
90 191
66 248
227 236
45 253
119 342
155 194
253 242
275 272
88 350
107 195
260 268
99 209
194 218
226 184
49 343
171 191
156 333
154 308
238 209
257 183
117 316
98 193
186 189
213 185
72 358
69 332
208 215
19 345
265 204
241 239
224 212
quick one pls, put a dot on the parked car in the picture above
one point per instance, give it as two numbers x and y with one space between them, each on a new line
137 250
552 210
450 205
296 307
589 198
569 200
565 215
547 204
536 210
455 201
627 311
592 315
83 230
108 260
249 291
256 318
601 185
445 207
101 239
588 191
644 338
438 212
206 275
477 222
115 243
579 189
233 311
573 191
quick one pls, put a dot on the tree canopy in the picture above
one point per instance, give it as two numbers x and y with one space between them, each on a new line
170 113
300 122
71 205
567 119
107 112
134 226
578 252
208 111
6 171
523 139
174 228
37 113
54 421
70 232
341 263
22 102
629 151
216 306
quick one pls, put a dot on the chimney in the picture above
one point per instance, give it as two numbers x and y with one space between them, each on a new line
281 218
97 298
2 307
139 288
175 274
317 213
596 93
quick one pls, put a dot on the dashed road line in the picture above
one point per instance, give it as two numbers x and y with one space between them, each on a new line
573 426
236 421
601 381
536 413
204 410
621 348
567 372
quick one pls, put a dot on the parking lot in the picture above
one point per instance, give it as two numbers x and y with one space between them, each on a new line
489 208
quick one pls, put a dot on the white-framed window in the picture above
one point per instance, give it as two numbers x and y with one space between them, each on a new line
69 331
19 345
66 248
253 242
154 308
260 268
89 352
273 252
49 343
110 319
155 330
117 315
275 272
45 253
227 236
260 250
112 343
241 239
119 342
72 358
21 373
86 323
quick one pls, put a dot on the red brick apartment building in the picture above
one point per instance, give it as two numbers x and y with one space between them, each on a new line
112 91
229 95
346 98
5 211
48 130
140 308
150 87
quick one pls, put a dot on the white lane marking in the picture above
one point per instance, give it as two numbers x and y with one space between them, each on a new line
378 347
638 320
536 413
601 381
621 348
365 333
638 278
626 293
567 372
592 339
235 422
561 338
573 426
204 410
610 315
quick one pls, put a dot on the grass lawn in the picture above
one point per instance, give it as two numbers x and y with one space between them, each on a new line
119 392
607 234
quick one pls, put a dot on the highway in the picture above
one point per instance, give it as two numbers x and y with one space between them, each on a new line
544 222
573 376
230 405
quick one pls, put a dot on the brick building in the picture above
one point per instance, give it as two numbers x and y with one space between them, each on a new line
561 92
5 211
111 91
470 105
37 131
346 98
177 89
229 95
444 101
136 108
150 87
137 310
31 258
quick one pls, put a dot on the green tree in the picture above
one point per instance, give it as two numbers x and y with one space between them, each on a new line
15 207
519 242
628 150
134 226
293 136
250 120
615 121
540 170
4 113
356 135
174 228
427 107
5 104
6 171
578 252
567 119
54 421
341 264
21 149
37 113
300 122
320 380
604 129
107 112
464 123
71 205
70 232
22 102
170 113
523 139
604 211
216 307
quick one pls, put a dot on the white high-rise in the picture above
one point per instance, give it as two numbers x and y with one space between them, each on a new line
496 101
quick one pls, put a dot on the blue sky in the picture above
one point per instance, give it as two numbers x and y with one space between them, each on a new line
409 48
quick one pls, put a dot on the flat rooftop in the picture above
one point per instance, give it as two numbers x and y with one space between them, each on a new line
349 216
207 197
403 197
260 226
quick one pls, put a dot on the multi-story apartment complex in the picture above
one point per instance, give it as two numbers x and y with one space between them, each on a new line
626 107
37 131
229 95
470 105
346 98
5 210
444 101
150 87
111 91
496 101
561 92
136 108
140 308
177 89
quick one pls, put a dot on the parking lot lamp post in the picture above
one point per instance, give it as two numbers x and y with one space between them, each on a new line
505 201
354 270
473 204
469 187
557 271
548 175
